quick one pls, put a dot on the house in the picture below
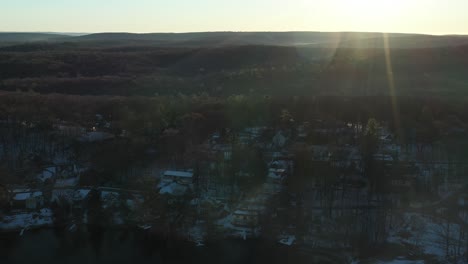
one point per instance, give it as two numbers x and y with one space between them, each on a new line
245 218
284 162
110 199
287 240
61 169
402 178
79 197
174 189
180 177
250 134
67 183
271 188
227 154
219 192
254 132
276 175
215 138
354 180
46 175
27 200
176 183
70 130
302 132
134 201
320 152
279 169
391 149
401 183
70 197
386 137
279 140
383 157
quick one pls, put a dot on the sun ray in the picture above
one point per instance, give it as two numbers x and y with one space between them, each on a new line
391 82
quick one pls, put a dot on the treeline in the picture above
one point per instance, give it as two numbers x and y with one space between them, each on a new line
85 69
236 112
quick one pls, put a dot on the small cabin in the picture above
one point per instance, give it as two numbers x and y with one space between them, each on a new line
245 218
279 140
180 177
27 200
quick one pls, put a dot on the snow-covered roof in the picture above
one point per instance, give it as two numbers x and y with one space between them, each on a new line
109 195
60 194
287 240
81 194
254 130
401 261
47 174
24 220
110 199
174 189
130 204
383 157
21 190
244 212
182 174
276 173
280 163
66 182
25 196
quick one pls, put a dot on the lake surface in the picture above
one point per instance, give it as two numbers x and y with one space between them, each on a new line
117 246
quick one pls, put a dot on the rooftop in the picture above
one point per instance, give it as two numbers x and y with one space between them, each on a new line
183 174
27 195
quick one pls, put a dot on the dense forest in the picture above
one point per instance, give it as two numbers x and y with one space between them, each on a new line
104 65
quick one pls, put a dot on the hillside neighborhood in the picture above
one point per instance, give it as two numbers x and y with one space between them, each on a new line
359 187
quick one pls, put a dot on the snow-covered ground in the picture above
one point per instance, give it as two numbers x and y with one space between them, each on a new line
401 261
427 233
236 231
27 220
174 189
197 233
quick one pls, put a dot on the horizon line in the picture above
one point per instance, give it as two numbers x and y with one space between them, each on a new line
231 31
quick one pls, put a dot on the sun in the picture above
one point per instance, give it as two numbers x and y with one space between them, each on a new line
379 9
363 13
374 9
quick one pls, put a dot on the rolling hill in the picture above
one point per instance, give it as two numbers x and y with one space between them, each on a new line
14 37
217 39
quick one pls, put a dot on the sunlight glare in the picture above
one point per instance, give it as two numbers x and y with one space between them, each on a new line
375 8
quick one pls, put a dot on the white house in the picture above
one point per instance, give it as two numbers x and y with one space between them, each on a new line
67 183
279 140
245 218
174 189
47 174
28 200
180 177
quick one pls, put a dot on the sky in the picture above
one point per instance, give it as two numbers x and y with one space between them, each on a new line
405 16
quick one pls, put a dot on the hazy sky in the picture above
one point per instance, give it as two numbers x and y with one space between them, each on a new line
416 16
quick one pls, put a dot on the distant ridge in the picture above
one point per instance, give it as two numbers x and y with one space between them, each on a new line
211 39
28 36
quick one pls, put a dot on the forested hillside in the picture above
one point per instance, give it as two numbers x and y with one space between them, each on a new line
77 68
